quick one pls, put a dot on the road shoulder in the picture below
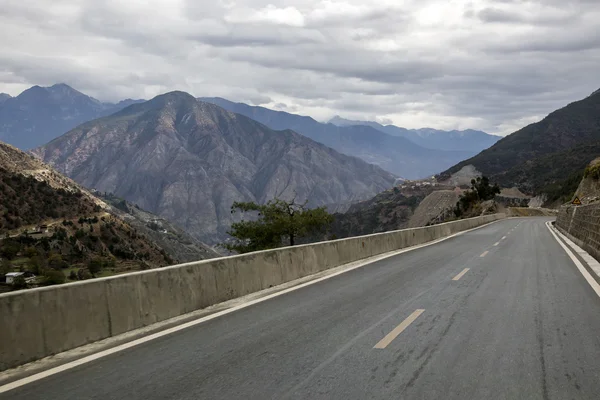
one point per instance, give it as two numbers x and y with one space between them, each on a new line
589 263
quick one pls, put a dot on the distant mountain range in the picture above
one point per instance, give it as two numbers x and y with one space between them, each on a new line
546 157
188 161
394 153
40 114
467 140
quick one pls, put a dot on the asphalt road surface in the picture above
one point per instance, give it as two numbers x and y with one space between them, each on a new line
520 323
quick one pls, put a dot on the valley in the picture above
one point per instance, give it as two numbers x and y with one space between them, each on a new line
169 169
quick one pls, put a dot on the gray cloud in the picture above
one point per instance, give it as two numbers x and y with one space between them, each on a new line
486 64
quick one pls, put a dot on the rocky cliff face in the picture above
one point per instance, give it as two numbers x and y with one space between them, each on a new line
40 114
188 161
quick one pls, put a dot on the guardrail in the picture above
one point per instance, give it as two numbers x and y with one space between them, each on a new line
40 322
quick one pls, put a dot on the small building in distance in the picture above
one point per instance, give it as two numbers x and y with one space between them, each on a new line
11 276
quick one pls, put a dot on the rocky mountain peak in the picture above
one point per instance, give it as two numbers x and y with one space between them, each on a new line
188 161
39 114
64 92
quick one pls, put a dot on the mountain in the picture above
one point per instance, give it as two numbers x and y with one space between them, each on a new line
4 97
387 211
392 153
468 140
40 114
546 157
188 161
67 228
178 244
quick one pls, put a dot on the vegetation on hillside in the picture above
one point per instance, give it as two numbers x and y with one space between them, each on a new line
480 191
388 211
58 234
177 243
592 171
278 223
25 201
545 157
81 249
562 191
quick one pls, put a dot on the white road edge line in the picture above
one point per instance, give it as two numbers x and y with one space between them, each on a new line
124 346
577 263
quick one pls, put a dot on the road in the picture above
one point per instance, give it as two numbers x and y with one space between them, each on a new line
520 323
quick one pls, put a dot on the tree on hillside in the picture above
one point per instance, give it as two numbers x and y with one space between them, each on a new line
278 222
95 266
481 186
481 190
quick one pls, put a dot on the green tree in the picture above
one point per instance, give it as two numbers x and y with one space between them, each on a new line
481 186
19 283
55 261
36 264
5 267
95 266
9 249
54 277
481 190
278 222
31 252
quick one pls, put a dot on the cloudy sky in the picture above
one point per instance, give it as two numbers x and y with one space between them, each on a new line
494 65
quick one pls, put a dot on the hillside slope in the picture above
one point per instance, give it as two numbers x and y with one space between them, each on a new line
177 243
434 208
76 228
545 157
392 153
40 114
80 226
188 161
387 211
588 190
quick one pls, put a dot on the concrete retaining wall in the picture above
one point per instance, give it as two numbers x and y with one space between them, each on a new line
40 322
581 224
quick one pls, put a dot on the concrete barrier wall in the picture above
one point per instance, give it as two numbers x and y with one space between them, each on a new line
40 322
582 225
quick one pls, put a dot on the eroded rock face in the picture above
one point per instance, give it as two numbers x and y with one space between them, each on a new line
188 161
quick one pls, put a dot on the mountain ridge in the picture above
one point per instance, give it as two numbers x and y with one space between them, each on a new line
393 153
4 97
188 160
468 139
542 157
40 114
